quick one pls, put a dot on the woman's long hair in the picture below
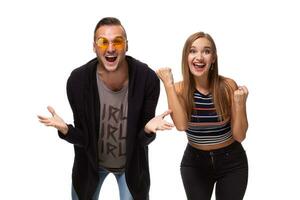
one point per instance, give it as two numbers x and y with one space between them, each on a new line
218 86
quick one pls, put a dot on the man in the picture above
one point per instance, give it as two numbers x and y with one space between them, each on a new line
113 98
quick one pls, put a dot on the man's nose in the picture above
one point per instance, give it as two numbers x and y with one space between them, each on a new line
111 47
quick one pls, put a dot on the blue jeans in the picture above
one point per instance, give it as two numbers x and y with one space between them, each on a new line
123 188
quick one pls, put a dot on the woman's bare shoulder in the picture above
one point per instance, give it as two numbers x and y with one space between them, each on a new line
229 82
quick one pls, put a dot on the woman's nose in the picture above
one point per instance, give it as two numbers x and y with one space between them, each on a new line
199 56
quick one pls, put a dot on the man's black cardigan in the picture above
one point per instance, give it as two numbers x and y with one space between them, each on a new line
82 91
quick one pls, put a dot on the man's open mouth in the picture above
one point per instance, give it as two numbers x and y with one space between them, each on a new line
111 58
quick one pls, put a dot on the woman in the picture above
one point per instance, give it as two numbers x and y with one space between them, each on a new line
212 110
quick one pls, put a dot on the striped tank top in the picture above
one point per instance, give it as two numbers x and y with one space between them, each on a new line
205 127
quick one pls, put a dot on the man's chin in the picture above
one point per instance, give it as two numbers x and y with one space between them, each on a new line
110 68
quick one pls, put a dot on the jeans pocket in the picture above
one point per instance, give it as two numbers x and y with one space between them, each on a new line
187 159
236 158
192 158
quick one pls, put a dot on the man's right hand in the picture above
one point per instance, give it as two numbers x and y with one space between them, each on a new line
54 121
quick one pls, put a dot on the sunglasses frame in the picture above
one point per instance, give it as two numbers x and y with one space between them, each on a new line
118 43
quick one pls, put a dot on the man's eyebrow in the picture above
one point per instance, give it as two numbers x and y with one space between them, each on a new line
119 36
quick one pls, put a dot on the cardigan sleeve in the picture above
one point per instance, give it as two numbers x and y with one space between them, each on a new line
152 89
74 136
75 133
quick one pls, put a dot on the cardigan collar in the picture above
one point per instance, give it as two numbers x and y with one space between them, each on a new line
92 65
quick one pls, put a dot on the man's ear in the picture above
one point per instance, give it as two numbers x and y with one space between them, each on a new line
94 47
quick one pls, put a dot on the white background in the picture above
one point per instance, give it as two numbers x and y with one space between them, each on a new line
41 42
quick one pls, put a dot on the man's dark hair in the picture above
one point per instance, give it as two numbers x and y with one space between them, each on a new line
109 21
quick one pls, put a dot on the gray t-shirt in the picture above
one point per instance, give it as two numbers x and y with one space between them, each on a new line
113 127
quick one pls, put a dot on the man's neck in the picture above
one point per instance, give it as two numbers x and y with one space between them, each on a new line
114 80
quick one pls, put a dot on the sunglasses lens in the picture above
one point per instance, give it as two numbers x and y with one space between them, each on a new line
102 43
118 43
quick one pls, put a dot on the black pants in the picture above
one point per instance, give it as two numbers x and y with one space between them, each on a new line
226 167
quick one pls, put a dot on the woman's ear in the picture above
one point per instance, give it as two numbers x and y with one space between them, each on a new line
214 59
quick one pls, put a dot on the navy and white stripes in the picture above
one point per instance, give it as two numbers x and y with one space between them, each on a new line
205 126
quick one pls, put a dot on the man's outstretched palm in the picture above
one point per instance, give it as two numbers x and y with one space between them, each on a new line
54 121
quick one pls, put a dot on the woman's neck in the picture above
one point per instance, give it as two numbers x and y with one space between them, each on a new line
202 85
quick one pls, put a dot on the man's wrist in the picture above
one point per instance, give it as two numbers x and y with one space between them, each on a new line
148 131
64 130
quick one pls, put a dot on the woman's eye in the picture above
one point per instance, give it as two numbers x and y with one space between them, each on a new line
192 51
207 51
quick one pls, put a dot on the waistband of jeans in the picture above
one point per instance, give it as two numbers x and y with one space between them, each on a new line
230 147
